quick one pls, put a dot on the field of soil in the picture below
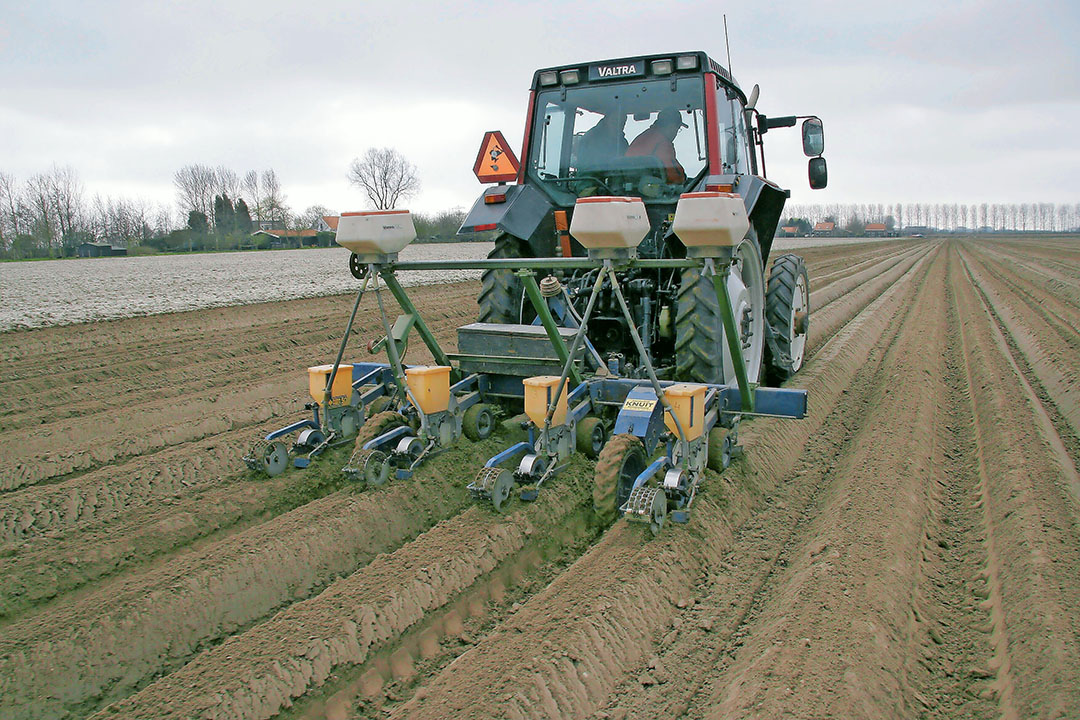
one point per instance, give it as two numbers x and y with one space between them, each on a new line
911 549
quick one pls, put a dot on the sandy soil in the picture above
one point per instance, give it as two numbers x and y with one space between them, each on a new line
911 549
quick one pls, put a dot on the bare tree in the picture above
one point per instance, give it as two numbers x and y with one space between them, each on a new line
195 189
43 219
227 182
273 200
310 217
251 191
12 211
385 176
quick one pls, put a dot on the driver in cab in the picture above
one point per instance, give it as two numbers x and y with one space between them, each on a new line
658 141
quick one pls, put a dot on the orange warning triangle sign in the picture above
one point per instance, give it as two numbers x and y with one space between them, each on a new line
496 162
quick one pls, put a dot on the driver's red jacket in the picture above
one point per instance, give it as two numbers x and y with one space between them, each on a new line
652 142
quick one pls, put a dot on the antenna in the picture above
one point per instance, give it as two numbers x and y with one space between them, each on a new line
728 45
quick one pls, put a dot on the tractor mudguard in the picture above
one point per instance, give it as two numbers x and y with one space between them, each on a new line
764 204
521 214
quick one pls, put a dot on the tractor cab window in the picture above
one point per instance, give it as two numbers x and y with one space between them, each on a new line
733 141
644 139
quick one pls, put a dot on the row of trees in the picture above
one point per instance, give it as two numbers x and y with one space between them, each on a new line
49 215
949 217
203 189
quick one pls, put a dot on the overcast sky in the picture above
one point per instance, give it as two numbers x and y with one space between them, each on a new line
922 101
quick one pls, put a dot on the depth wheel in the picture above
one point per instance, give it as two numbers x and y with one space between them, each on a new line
378 424
478 423
701 351
275 458
787 310
619 464
309 439
719 449
501 290
590 437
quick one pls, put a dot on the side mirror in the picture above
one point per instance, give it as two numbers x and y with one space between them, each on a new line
813 137
818 173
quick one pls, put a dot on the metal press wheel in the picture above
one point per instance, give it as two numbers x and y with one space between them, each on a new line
275 458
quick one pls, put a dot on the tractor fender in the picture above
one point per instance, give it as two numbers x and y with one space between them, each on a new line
764 203
521 214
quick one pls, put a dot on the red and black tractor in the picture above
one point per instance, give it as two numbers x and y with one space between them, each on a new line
652 127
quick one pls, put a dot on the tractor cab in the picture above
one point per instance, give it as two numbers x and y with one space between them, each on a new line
642 128
651 127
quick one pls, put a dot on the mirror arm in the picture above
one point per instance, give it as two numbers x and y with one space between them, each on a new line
786 121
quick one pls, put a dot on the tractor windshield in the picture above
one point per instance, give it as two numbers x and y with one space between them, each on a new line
644 138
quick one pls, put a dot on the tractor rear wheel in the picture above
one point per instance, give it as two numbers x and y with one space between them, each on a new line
701 352
501 291
619 464
787 310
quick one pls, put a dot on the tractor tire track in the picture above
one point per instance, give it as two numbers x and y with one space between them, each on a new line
564 651
96 648
1031 586
715 621
1054 364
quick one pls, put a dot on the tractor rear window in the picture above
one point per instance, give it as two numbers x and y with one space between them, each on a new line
644 139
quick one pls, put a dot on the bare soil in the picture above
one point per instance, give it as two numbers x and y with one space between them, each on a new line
910 549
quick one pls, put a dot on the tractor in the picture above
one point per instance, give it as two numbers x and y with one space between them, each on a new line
624 312
583 139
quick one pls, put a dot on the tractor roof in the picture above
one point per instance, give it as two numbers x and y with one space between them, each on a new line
637 66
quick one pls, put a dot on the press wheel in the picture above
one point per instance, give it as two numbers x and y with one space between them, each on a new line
371 466
495 484
275 458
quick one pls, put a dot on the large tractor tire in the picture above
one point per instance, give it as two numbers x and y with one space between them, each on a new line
501 290
787 310
619 464
701 352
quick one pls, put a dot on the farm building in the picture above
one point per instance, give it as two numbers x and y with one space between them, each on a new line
89 250
288 238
